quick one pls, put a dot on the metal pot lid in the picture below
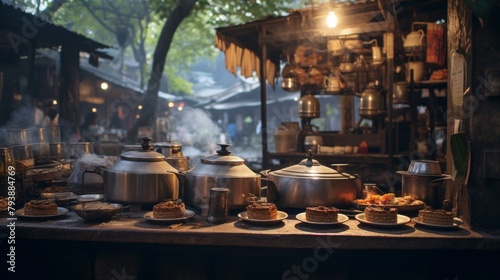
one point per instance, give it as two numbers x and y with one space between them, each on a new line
310 167
223 156
147 154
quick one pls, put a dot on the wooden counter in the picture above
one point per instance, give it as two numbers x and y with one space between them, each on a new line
197 249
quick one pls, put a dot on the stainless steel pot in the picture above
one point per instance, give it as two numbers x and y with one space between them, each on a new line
371 103
141 177
221 170
311 184
309 106
173 154
428 188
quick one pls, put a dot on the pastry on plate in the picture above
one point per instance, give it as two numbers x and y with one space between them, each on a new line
262 211
322 214
40 207
429 215
379 214
169 209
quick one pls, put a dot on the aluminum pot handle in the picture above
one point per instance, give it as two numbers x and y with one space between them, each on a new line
271 189
433 182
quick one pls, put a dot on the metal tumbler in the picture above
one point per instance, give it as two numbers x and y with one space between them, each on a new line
217 205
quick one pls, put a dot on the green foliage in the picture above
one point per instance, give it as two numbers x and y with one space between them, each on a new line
143 19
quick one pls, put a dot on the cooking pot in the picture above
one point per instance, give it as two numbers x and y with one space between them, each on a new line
221 170
58 151
428 188
371 103
311 184
309 106
173 154
141 177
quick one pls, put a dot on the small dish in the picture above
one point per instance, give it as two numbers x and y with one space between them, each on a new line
60 211
281 216
89 197
97 211
341 219
456 223
401 221
188 214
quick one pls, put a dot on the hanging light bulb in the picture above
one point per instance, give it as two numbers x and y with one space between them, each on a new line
331 20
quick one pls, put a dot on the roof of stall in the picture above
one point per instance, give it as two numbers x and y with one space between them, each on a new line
18 29
279 35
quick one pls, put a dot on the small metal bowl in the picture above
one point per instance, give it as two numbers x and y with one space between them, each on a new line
97 211
425 167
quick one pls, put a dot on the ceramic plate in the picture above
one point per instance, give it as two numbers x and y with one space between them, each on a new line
60 211
456 223
401 221
341 219
281 216
188 214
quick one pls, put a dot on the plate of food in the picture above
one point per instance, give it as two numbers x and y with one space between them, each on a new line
169 211
340 219
401 220
403 204
187 214
280 216
41 209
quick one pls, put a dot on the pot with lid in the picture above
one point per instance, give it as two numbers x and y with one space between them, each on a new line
309 183
173 154
221 170
141 177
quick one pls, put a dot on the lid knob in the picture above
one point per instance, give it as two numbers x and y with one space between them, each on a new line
223 150
146 144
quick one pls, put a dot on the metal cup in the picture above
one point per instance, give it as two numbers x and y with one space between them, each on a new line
217 205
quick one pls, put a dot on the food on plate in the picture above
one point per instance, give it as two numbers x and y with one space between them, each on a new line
429 215
322 214
389 199
40 207
169 209
4 203
378 214
440 74
262 211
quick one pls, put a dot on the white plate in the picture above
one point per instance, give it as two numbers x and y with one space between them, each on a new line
401 221
187 214
90 197
341 219
281 216
60 211
456 223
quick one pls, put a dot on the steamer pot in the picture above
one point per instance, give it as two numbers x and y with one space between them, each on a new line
221 170
141 177
311 184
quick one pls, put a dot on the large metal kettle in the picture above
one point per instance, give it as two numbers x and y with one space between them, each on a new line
371 104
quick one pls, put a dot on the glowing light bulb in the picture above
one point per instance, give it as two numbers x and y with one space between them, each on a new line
331 20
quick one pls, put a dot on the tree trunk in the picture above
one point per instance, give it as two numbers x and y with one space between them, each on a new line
181 11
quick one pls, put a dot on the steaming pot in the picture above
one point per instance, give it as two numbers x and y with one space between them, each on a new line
221 170
311 184
141 177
